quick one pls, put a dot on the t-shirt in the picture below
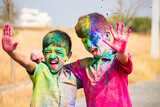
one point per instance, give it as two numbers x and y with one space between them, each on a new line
53 92
105 80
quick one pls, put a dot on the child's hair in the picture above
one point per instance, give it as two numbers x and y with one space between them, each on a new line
90 23
58 38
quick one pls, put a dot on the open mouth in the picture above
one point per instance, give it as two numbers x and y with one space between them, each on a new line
53 63
94 51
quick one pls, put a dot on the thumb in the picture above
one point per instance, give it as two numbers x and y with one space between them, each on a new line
39 60
15 45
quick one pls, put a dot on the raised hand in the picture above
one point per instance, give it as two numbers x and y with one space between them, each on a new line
120 41
36 56
7 39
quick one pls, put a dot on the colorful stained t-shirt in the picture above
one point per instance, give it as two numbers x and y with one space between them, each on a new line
105 80
53 92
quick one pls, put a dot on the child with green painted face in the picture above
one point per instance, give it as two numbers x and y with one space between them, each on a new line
52 85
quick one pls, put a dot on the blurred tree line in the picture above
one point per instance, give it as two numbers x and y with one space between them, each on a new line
8 12
141 25
126 12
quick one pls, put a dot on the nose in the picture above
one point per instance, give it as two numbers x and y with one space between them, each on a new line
52 56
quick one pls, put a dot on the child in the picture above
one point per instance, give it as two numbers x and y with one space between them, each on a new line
105 76
52 85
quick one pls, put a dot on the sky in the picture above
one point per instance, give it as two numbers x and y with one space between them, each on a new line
65 13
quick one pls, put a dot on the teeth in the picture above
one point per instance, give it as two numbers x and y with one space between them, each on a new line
53 62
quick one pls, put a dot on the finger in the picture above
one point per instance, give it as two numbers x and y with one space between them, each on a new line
33 54
108 43
34 57
7 29
3 32
38 53
31 57
10 31
128 34
39 60
118 32
37 57
15 45
112 31
122 30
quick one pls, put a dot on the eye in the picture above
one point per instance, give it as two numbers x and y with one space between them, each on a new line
107 33
58 52
47 52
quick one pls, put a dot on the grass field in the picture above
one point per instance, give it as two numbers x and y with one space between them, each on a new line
145 67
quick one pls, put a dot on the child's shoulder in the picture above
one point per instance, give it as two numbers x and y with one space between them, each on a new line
80 62
85 61
41 65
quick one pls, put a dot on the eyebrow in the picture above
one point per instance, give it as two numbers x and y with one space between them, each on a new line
47 49
60 50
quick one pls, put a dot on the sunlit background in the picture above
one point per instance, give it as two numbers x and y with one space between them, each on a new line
32 19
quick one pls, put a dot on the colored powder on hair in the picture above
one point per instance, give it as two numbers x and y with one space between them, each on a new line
86 25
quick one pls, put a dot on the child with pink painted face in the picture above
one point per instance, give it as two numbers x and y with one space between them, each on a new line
105 76
52 85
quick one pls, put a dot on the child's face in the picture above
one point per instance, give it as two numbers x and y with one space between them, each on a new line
94 44
55 57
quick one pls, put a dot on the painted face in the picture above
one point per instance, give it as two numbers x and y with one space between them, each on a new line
55 57
94 44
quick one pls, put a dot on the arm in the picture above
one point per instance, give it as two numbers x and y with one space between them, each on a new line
9 47
119 44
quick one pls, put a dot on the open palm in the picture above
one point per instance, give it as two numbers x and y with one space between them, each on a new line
7 39
120 41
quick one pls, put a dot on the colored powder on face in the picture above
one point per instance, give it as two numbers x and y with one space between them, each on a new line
125 10
95 37
56 40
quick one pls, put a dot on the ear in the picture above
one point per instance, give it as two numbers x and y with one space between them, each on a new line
68 55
